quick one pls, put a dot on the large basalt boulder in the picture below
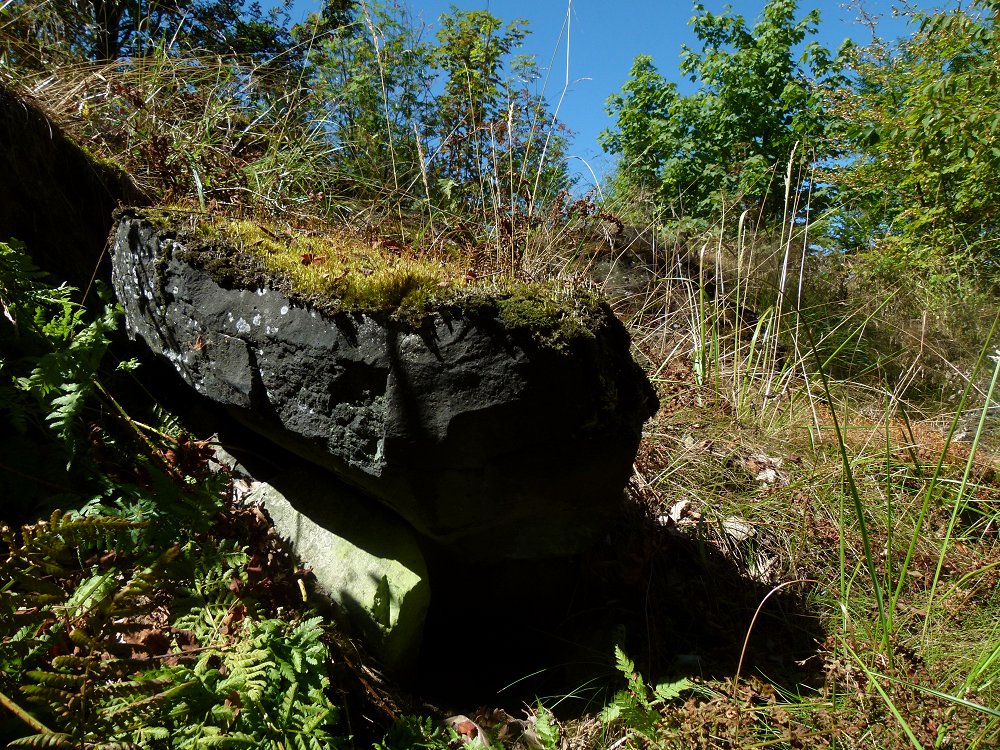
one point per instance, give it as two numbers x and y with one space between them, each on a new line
490 442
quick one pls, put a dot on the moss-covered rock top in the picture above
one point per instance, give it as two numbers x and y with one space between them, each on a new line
336 272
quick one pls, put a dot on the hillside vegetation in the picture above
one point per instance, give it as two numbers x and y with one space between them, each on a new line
805 251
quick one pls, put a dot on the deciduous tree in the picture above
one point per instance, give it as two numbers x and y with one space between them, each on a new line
922 122
756 106
105 30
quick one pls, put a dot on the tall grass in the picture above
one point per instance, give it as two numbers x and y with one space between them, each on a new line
225 134
789 357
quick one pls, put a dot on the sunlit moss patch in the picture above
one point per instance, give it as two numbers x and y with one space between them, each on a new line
337 272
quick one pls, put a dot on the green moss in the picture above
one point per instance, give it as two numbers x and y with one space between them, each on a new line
338 268
106 168
552 318
336 272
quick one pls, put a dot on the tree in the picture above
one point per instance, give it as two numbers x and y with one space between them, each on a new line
472 46
456 120
922 123
757 106
370 75
499 144
104 30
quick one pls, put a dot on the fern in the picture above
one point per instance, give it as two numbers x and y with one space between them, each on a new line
62 352
546 728
638 707
418 732
56 740
255 683
120 626
250 692
172 510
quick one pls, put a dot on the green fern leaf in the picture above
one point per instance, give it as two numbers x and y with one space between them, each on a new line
297 662
45 740
57 680
546 728
670 691
66 407
623 664
55 698
288 704
231 740
70 661
145 735
82 638
91 594
612 712
156 700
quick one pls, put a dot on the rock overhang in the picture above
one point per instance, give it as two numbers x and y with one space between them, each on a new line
499 423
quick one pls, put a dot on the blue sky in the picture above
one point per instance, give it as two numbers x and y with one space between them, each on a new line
605 36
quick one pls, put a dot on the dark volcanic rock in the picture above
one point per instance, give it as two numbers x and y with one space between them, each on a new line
486 441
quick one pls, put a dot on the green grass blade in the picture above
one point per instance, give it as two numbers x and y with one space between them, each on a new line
873 681
959 498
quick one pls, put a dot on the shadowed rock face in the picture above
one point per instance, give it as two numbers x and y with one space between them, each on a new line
53 197
488 443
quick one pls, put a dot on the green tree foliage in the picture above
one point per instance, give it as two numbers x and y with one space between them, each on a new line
923 121
456 119
104 30
370 84
756 107
495 135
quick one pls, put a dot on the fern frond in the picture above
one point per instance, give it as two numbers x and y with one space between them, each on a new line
146 735
70 661
82 638
57 699
288 703
670 691
229 740
30 589
157 700
56 740
130 690
48 539
57 680
249 674
623 664
91 595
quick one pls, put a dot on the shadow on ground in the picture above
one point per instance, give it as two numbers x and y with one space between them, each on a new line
678 606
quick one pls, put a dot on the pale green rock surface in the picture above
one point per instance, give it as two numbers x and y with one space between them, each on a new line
365 559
